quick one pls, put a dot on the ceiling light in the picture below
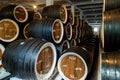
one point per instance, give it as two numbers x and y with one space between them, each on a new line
34 6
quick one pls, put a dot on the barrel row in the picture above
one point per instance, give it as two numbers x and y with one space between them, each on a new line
14 18
21 29
111 36
76 62
19 13
55 30
36 59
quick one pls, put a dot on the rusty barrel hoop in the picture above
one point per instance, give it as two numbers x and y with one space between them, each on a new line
9 31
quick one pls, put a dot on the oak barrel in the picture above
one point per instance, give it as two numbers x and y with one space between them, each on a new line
9 30
47 28
30 59
74 63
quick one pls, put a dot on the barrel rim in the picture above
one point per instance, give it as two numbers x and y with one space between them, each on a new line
17 28
38 14
26 12
62 31
46 76
24 30
71 53
65 41
66 17
70 31
73 41
76 32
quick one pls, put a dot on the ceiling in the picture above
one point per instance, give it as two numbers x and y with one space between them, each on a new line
89 10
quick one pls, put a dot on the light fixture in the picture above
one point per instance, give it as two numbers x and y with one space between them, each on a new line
95 29
34 6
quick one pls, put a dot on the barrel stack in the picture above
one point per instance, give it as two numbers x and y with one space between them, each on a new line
110 37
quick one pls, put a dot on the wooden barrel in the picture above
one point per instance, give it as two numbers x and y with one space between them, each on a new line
71 17
112 4
83 34
25 31
76 23
110 66
73 43
24 26
17 12
9 30
2 49
56 11
111 31
79 34
37 16
30 59
74 32
68 31
62 47
74 64
49 29
80 31
32 15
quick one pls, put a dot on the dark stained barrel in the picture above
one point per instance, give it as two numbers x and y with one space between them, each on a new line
68 31
62 47
17 12
25 31
30 59
110 32
9 30
71 19
73 43
74 32
74 64
76 23
37 16
47 28
56 11
110 65
112 4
